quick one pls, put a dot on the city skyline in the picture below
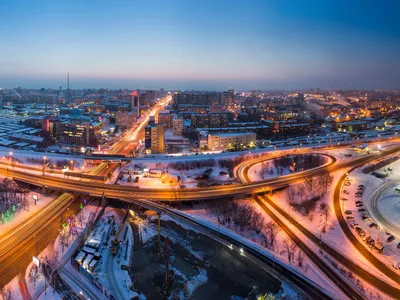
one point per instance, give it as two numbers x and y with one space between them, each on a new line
201 46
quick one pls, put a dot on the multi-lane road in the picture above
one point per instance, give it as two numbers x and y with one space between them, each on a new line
32 236
118 191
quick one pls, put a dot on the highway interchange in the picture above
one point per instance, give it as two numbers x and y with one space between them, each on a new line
17 246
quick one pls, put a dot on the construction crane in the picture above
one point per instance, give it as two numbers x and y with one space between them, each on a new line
115 242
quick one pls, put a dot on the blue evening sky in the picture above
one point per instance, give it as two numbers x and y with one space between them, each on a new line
200 44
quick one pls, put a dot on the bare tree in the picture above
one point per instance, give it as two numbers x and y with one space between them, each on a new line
300 258
325 212
271 230
325 180
223 210
290 248
34 275
291 193
309 183
264 169
301 192
80 217
242 216
257 221
63 240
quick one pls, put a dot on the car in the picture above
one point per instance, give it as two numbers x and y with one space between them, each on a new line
346 183
361 185
137 179
361 210
374 225
368 219
350 218
358 201
347 212
345 192
344 199
358 195
359 204
390 239
359 230
398 245
352 223
367 239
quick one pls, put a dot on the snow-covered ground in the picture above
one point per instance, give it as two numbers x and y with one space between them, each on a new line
218 175
109 271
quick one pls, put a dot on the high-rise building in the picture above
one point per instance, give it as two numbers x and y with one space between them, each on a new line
80 133
154 139
224 141
227 98
166 118
196 98
135 103
300 97
178 126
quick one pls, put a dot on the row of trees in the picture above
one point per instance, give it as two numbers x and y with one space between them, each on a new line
244 217
294 163
193 164
231 213
304 197
12 194
54 163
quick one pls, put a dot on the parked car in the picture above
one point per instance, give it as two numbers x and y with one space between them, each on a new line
359 204
353 224
344 199
347 212
390 239
374 225
361 185
361 210
137 179
345 192
350 218
365 237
